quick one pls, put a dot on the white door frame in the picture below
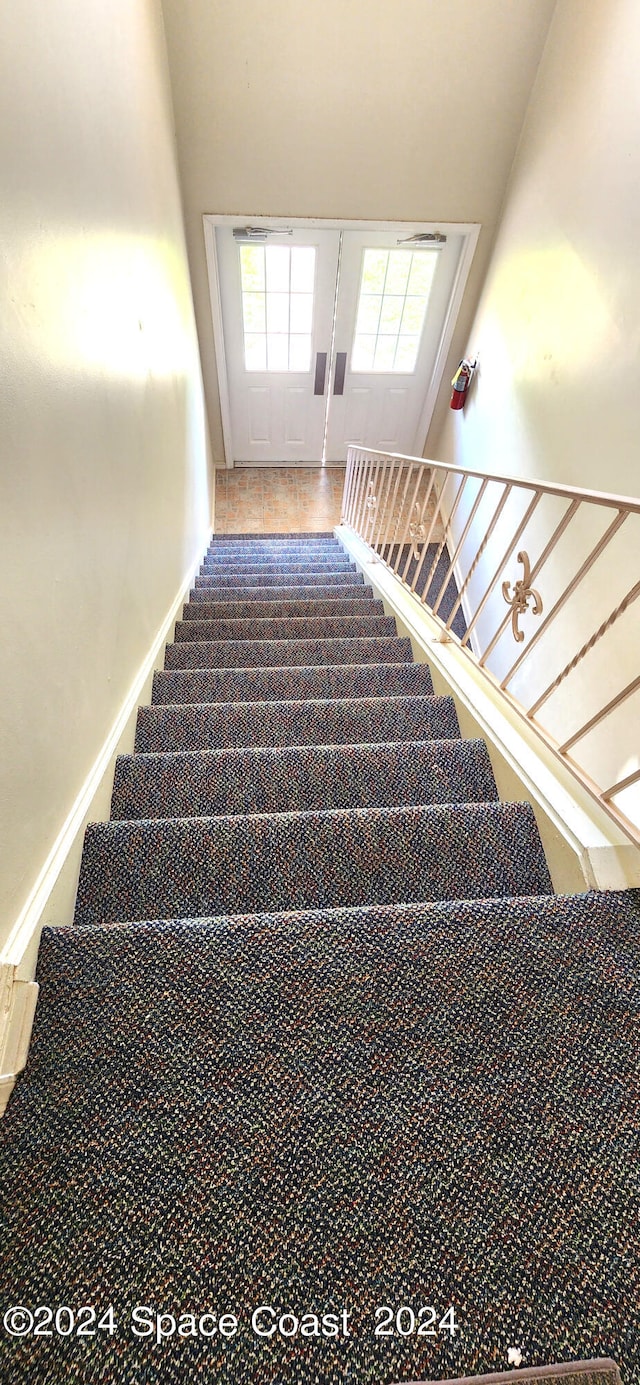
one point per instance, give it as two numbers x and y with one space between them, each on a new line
468 230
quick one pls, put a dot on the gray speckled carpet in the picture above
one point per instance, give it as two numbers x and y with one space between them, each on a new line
326 1085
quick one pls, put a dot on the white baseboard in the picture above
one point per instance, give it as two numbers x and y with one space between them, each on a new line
17 1009
585 849
7 1085
51 898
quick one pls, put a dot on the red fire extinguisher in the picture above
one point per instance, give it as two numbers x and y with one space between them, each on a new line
460 383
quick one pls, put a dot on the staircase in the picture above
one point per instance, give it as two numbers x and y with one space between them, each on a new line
322 1041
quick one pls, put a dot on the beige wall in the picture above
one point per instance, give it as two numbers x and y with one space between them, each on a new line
367 109
104 478
559 382
557 326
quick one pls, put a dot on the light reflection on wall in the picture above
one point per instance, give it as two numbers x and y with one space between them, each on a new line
551 313
110 304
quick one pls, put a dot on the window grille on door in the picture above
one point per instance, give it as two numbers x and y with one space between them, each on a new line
277 284
392 307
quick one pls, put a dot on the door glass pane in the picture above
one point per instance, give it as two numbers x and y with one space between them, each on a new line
368 313
391 315
374 270
422 268
277 284
397 272
406 353
301 312
252 268
255 351
253 312
277 351
278 259
303 268
385 353
392 307
413 315
277 312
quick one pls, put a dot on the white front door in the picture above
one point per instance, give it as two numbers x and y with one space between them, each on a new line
331 337
277 298
391 308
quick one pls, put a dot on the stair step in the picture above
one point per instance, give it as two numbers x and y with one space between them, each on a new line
287 628
323 548
212 566
243 610
291 684
216 725
514 929
315 537
301 779
355 591
281 579
275 547
280 653
195 866
279 536
246 573
400 1082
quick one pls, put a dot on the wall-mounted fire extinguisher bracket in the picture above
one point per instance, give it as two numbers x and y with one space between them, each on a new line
461 381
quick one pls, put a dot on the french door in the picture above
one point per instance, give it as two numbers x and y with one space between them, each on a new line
277 297
331 337
390 311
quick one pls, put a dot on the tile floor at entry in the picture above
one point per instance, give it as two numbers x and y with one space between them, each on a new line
263 500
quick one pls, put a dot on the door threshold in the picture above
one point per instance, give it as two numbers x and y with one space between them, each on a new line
293 466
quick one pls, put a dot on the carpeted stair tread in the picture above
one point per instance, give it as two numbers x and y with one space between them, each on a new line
287 628
324 548
356 591
279 653
411 1104
273 556
288 684
326 721
312 536
578 924
274 552
245 569
326 539
243 610
189 866
279 553
276 535
300 779
274 578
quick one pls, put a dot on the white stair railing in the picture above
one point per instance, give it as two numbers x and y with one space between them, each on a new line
537 584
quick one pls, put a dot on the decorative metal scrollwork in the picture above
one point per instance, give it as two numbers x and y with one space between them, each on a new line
417 533
523 592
